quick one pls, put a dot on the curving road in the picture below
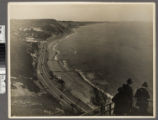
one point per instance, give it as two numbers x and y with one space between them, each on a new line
65 97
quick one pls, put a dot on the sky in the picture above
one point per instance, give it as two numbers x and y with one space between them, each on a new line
82 11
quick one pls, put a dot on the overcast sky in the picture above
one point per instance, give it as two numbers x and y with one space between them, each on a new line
82 11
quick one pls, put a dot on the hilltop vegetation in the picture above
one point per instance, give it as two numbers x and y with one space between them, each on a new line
42 29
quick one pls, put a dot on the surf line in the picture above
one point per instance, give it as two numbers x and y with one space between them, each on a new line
57 53
85 79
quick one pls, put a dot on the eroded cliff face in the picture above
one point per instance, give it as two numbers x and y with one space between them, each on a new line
29 33
26 39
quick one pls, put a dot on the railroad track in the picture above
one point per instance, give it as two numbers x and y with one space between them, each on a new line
65 97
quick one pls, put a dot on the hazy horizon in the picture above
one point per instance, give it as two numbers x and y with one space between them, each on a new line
82 11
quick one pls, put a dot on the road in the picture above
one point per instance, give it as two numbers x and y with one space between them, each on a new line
65 96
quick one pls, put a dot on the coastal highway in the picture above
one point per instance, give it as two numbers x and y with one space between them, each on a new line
65 97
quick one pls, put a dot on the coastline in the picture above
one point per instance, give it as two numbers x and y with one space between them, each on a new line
52 44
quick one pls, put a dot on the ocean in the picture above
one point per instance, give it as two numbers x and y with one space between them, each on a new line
109 53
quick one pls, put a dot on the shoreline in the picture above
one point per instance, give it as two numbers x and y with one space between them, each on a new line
56 53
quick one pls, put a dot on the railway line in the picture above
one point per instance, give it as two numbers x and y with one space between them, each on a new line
65 96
